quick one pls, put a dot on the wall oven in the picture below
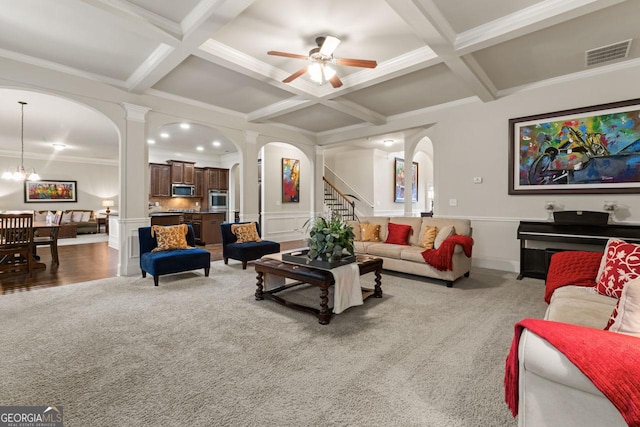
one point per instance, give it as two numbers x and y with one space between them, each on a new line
183 190
218 200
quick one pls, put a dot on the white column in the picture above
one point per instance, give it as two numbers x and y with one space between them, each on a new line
249 181
317 207
411 140
133 208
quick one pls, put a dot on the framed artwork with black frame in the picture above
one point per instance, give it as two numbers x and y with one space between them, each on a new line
584 150
399 181
50 191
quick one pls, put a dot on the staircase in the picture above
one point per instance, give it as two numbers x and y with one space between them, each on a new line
338 203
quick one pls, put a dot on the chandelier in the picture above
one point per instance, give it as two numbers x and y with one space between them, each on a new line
21 173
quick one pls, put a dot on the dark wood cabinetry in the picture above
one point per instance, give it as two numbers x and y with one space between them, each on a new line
206 227
182 172
166 219
199 182
160 180
216 179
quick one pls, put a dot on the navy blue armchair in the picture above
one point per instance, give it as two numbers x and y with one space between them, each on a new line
172 261
247 251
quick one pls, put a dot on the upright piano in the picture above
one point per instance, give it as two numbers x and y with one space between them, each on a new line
534 261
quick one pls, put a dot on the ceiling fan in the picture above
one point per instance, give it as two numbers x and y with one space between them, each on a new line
321 58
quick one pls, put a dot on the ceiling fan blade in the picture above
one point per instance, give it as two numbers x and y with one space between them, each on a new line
295 75
329 45
364 63
287 55
335 81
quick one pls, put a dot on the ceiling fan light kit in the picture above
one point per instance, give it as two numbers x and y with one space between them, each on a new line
321 57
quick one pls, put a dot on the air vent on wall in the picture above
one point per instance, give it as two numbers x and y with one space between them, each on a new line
607 53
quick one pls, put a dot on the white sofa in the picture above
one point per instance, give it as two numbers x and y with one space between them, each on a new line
408 259
552 390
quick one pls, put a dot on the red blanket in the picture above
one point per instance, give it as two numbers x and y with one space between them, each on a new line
571 268
609 359
442 258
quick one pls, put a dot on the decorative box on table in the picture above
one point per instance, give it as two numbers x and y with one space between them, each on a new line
300 257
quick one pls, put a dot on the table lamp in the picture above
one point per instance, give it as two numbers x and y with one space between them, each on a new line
108 204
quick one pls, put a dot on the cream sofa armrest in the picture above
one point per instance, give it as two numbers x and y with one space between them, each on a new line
554 392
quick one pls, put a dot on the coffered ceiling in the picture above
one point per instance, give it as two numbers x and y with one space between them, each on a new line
429 52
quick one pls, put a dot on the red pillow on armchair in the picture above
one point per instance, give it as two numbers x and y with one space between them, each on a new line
578 268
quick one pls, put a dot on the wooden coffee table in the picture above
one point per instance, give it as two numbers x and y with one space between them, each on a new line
323 279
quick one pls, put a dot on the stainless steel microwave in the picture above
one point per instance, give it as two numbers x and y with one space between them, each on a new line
218 200
183 190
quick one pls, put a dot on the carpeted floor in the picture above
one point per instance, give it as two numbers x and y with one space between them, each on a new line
201 351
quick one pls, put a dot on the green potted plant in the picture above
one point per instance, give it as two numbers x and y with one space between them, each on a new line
329 239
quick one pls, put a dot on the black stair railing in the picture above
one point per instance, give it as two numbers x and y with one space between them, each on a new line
338 202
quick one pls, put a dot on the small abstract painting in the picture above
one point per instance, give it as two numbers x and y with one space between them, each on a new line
587 150
290 180
399 182
50 191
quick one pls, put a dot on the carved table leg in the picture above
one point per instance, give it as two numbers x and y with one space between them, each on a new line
377 293
324 317
259 293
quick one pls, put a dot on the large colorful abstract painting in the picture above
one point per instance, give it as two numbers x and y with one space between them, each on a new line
50 191
290 180
588 150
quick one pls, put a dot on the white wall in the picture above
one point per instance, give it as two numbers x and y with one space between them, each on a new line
472 141
284 221
95 182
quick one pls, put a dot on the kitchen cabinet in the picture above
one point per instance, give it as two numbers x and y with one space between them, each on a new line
206 226
217 179
166 219
159 180
199 182
182 172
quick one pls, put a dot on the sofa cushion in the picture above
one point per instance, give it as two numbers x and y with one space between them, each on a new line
626 315
357 235
246 232
621 263
398 234
443 234
385 250
66 217
382 221
170 237
370 232
413 253
581 306
86 216
428 237
414 222
76 216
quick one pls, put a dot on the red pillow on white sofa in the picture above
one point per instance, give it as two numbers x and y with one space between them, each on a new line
620 264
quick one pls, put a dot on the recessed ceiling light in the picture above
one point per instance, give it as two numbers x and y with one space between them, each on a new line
151 141
200 148
58 146
164 135
388 142
185 125
216 143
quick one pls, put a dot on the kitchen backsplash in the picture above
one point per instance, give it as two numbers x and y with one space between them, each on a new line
161 204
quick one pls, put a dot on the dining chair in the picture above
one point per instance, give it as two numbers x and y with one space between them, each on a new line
50 239
16 243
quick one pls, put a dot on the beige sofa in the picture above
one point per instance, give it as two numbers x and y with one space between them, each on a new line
408 259
552 390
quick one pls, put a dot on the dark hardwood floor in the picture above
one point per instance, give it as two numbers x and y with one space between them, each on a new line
81 263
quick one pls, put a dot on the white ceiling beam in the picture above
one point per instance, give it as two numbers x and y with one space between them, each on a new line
279 108
355 110
526 21
140 20
423 16
211 16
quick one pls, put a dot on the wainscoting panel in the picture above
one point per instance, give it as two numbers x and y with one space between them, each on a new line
284 226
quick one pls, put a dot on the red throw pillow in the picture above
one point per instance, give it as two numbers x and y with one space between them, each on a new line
398 234
578 268
621 264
